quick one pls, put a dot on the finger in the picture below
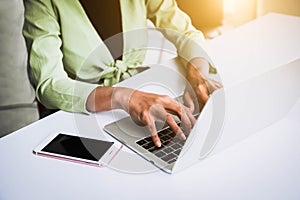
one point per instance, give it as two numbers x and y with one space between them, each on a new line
202 93
172 106
155 137
211 86
181 112
191 118
189 101
151 126
216 83
185 120
174 127
219 85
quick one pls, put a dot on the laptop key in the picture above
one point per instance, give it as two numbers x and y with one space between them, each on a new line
148 139
166 143
160 154
141 142
176 146
164 138
163 132
148 145
168 150
152 149
171 161
177 152
171 143
168 157
176 139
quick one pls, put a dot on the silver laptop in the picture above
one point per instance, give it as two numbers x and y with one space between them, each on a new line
251 105
175 154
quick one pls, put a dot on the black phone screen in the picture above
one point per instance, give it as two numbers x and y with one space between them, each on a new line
78 147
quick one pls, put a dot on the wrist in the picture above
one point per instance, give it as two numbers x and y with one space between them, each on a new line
107 98
120 98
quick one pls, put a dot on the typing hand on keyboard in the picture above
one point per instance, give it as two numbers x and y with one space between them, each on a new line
170 148
148 107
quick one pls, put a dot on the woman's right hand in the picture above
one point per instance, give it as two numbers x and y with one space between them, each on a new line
143 107
148 107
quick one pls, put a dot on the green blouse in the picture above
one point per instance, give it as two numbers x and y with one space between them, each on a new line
68 59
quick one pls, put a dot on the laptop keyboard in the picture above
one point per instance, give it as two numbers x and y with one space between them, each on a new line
170 148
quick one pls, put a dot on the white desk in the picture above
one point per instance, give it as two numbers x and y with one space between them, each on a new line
265 166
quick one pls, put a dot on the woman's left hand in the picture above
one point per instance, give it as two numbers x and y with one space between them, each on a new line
200 85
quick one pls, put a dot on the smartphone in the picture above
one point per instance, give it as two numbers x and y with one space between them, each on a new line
69 147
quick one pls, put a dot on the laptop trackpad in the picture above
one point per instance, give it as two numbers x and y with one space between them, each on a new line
136 130
130 128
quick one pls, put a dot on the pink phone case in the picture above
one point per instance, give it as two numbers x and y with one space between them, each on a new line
77 161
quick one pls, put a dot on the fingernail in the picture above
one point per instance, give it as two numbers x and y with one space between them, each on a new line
158 143
191 109
182 136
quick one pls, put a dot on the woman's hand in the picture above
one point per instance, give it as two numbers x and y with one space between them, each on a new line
200 85
143 107
148 108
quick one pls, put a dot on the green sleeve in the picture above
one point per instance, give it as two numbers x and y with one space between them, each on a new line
54 88
177 27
